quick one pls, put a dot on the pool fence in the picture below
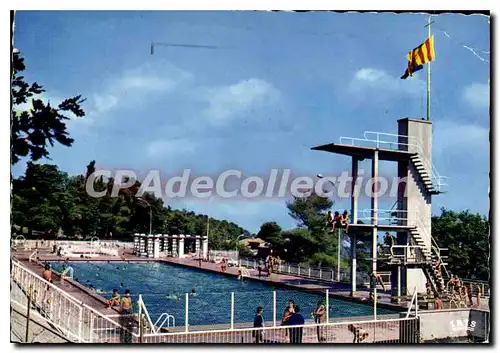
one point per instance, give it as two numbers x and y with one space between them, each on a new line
78 322
329 274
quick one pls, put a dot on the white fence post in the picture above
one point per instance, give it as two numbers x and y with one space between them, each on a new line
186 316
416 302
309 272
375 303
232 310
327 306
80 319
320 274
91 327
332 274
298 271
288 268
274 308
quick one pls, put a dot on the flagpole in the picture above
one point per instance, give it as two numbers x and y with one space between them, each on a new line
429 75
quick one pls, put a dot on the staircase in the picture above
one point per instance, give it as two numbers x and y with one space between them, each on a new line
424 250
425 175
432 183
425 257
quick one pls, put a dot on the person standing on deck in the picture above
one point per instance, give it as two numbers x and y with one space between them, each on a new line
126 304
320 318
125 320
375 279
478 296
295 320
258 321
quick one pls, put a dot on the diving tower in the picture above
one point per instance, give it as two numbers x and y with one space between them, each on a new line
415 253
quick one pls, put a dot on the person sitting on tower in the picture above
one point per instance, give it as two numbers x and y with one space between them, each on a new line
330 221
344 220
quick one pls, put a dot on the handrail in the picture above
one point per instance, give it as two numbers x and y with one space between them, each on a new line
390 142
30 258
166 318
366 211
435 176
18 279
413 298
141 303
416 256
66 270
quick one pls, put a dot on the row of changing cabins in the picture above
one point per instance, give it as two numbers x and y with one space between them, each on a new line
156 245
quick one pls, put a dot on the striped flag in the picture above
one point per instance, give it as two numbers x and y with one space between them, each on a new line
419 56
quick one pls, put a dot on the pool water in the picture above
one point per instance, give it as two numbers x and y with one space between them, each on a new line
163 289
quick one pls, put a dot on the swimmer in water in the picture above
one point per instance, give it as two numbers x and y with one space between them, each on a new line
100 291
174 297
193 292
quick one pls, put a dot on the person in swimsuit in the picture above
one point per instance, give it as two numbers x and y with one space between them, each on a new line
320 318
126 304
437 302
375 279
287 313
330 221
115 298
359 333
47 273
344 220
126 311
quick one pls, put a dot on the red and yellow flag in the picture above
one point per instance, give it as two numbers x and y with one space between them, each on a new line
419 56
422 54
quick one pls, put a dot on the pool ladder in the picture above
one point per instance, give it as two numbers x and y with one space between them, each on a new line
166 319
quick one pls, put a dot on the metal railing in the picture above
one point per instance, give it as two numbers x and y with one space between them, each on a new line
301 270
401 330
32 255
167 318
390 217
74 319
429 166
410 254
412 141
327 274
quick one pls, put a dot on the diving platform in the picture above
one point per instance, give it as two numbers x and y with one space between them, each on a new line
361 152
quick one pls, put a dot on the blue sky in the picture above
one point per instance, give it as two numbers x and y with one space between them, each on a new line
280 84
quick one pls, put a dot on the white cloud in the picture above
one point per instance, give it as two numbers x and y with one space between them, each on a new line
380 81
468 140
160 148
132 86
478 95
226 103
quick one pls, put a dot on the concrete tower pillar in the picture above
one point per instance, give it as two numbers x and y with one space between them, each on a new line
205 248
181 245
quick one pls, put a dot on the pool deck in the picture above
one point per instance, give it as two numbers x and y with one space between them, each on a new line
96 301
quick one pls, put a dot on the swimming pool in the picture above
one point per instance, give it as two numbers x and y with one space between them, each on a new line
160 283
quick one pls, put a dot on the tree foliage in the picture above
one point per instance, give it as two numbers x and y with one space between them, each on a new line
46 199
33 130
466 235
